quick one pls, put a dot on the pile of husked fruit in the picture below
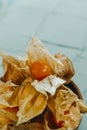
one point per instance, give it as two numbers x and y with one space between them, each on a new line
37 93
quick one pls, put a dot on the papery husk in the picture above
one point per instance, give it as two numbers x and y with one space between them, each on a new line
14 69
6 91
18 93
14 100
83 107
6 87
31 104
68 66
42 120
48 85
3 118
29 126
62 101
8 115
29 101
3 126
49 124
37 51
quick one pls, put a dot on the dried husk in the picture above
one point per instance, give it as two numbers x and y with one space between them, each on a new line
58 63
14 70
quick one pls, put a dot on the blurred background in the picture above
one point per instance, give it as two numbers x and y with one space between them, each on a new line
60 24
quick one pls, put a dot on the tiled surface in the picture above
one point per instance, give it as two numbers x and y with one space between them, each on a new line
65 30
76 8
60 24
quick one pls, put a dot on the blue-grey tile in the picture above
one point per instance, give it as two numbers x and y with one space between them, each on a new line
83 124
80 77
53 49
64 30
0 66
23 21
4 11
85 43
74 8
12 42
24 18
45 5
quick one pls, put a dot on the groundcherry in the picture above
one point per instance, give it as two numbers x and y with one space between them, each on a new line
40 69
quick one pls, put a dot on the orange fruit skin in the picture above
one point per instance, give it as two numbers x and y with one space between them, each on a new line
40 69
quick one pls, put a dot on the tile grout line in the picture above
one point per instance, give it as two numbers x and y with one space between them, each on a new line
49 12
62 45
45 17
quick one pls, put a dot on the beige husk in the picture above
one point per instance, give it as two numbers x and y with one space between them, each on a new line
37 50
14 69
